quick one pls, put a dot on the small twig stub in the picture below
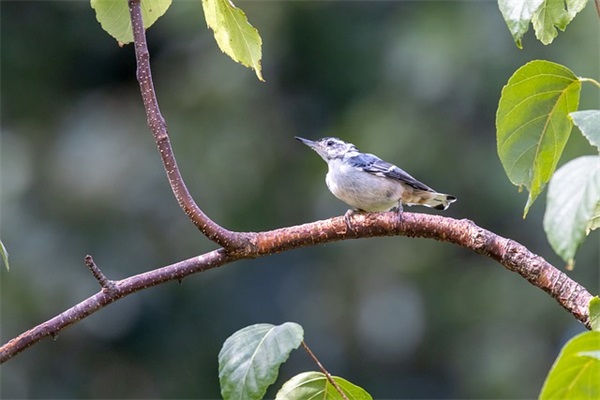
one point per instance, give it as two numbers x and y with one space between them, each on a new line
104 282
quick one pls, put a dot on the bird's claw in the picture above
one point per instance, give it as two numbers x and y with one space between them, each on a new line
347 216
399 213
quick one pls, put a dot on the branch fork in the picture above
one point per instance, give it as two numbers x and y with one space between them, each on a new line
107 285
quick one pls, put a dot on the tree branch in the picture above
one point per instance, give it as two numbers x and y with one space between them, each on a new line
512 255
225 238
100 300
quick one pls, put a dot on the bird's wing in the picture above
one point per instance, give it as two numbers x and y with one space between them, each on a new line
374 165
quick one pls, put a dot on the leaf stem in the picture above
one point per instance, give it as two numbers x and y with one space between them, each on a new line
595 82
327 374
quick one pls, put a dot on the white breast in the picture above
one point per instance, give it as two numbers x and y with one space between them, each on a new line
362 190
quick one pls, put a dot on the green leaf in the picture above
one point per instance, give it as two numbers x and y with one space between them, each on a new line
575 372
314 386
573 195
551 15
517 15
588 122
250 358
234 34
595 314
114 17
4 254
533 124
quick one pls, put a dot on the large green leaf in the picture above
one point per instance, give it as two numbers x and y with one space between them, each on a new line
314 386
114 17
552 14
517 15
573 194
234 34
250 358
575 373
533 124
588 122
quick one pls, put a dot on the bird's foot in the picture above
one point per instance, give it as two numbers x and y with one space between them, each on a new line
347 216
399 214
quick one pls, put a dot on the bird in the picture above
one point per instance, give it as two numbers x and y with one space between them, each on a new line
369 184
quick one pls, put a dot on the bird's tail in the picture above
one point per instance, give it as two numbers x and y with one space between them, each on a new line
439 201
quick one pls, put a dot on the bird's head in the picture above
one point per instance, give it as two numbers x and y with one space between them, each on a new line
329 148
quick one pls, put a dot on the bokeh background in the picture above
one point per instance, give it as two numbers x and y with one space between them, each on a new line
414 82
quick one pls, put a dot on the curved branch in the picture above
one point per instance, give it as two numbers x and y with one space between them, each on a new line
512 255
226 238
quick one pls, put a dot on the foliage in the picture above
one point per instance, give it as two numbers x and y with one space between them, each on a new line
533 123
315 385
545 15
573 198
534 120
249 363
234 35
113 15
249 360
588 123
575 372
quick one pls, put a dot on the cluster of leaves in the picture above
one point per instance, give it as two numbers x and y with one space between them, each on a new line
249 363
233 33
534 120
545 15
535 116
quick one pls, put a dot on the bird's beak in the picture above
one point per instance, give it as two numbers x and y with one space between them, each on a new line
307 142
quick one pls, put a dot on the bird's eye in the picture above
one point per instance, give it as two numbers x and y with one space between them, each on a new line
330 143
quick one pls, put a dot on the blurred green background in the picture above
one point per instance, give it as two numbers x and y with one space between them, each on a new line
414 82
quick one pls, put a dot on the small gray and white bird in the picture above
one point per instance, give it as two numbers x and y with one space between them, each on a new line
367 183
